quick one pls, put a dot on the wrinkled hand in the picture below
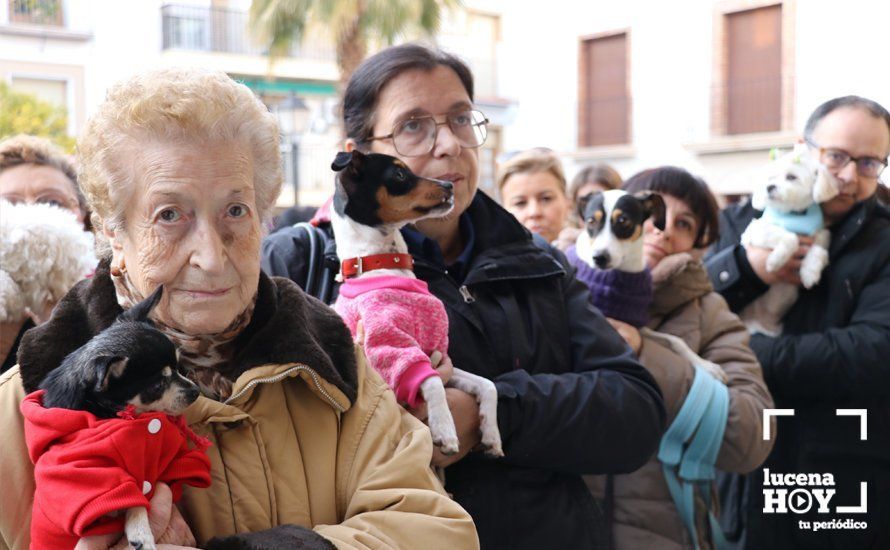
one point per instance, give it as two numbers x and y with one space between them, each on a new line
169 529
788 273
629 332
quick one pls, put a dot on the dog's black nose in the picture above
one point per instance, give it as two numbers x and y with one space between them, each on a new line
447 185
602 259
770 188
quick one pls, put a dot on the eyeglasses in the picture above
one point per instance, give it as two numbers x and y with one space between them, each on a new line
836 159
416 136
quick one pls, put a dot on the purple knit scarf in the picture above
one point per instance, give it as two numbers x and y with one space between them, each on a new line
618 294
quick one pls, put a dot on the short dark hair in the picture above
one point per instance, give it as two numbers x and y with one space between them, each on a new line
363 90
874 108
680 184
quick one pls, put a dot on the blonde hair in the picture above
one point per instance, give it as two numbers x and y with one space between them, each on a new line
532 161
176 106
27 149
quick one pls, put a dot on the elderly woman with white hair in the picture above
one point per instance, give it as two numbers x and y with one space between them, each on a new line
309 447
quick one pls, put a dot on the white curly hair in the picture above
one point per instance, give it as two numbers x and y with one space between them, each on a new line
44 251
186 106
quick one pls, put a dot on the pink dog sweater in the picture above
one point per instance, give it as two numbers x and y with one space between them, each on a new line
404 323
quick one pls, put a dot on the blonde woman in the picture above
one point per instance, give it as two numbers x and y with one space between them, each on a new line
533 188
309 447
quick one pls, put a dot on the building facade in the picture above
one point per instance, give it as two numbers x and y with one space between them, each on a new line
710 85
68 52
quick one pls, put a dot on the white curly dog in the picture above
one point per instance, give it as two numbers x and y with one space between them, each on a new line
44 251
794 186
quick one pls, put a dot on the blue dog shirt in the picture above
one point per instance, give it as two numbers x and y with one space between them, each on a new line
803 223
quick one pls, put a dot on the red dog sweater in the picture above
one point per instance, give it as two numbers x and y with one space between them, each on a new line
86 468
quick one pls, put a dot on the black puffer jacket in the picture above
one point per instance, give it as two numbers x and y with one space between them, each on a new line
834 353
572 398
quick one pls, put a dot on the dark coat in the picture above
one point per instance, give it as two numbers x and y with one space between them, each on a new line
834 353
573 399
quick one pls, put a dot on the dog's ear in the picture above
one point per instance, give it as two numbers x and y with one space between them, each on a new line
800 150
140 311
106 367
758 198
653 207
826 186
582 204
344 159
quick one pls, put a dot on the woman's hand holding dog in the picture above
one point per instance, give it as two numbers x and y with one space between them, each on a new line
170 530
629 332
789 273
464 411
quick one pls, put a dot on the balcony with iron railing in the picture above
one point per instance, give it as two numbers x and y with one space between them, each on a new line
214 29
36 12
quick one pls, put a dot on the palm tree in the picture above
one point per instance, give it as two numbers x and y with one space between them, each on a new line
278 24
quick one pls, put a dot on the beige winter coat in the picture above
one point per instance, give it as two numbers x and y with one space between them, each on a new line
308 443
686 306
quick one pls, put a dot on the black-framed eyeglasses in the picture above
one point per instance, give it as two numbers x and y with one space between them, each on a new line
416 136
836 159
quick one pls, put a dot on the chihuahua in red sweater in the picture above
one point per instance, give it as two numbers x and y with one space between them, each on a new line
103 429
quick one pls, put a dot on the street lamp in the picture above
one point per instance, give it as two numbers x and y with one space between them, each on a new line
293 117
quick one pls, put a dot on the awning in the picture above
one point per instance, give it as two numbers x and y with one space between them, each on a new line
289 87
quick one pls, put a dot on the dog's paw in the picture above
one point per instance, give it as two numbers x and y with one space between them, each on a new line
491 435
447 445
443 433
138 529
809 277
774 262
439 418
812 266
492 446
714 370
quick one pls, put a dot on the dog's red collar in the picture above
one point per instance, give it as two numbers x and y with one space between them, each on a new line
353 267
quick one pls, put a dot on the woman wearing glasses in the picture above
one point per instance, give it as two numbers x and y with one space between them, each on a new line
833 351
572 398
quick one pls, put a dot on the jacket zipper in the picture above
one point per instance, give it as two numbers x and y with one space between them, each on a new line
281 376
466 294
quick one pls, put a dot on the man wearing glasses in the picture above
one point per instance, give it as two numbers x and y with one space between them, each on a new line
834 352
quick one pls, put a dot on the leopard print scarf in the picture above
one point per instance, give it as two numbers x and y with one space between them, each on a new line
203 357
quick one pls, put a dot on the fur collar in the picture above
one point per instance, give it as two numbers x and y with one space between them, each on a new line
287 327
678 279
